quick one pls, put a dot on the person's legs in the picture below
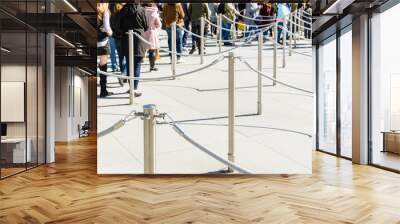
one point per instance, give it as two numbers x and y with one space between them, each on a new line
179 36
121 55
113 57
280 24
137 61
103 78
169 39
152 59
225 32
195 39
185 34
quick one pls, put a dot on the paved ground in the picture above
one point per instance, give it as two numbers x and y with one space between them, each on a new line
202 95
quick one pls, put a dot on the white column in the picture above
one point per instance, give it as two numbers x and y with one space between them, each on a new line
360 90
50 98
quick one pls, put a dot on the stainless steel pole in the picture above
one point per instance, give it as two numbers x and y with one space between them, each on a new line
284 44
275 52
173 48
259 81
220 32
231 109
131 68
202 40
149 112
291 34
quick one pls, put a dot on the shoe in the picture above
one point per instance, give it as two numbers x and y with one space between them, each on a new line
137 94
121 82
180 61
192 50
229 44
154 69
105 94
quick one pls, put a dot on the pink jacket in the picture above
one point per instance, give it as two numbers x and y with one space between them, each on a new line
151 35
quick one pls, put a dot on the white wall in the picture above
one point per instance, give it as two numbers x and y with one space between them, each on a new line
71 102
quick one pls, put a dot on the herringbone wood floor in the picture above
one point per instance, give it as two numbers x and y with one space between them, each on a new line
69 191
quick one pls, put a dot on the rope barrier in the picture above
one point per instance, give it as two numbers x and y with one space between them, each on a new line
265 28
300 26
216 61
287 47
226 162
252 126
307 13
117 125
291 33
255 19
301 20
231 21
273 79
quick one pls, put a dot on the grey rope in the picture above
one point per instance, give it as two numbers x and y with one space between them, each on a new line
273 79
216 61
117 125
228 163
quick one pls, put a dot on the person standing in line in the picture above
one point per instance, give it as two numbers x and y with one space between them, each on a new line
213 7
151 35
173 13
229 12
103 33
133 17
251 12
283 12
111 41
196 12
186 20
308 21
266 15
117 36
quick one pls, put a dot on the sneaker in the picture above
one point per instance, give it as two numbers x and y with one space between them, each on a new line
180 61
121 82
154 69
105 94
137 94
192 50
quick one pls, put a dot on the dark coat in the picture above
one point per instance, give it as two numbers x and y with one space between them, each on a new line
133 17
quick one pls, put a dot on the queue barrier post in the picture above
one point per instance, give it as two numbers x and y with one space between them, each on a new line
220 33
231 109
173 48
201 50
149 114
259 81
131 66
275 52
284 44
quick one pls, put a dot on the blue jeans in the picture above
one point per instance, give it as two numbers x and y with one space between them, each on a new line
179 37
113 56
225 33
121 56
250 32
280 24
137 63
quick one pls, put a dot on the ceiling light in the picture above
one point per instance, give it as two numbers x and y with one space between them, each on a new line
64 40
5 50
70 5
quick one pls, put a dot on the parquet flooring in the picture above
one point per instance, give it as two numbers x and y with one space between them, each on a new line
69 191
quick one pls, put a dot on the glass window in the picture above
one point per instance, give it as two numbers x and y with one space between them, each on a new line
385 87
346 94
327 96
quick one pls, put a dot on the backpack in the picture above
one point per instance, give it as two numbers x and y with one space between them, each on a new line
221 8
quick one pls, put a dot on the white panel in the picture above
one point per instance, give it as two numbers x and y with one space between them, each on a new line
12 101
